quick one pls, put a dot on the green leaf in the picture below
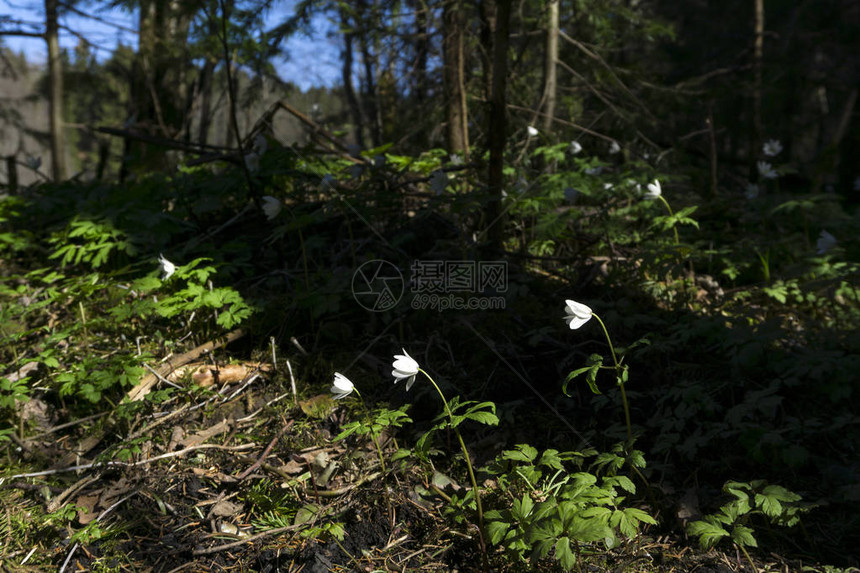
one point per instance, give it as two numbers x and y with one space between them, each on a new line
564 555
522 453
743 536
497 530
709 534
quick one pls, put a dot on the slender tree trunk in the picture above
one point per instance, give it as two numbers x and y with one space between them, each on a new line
206 89
496 130
346 77
419 78
550 82
456 113
758 54
55 73
487 10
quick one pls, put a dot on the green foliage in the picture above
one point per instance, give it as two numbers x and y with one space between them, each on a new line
90 242
555 509
379 421
774 503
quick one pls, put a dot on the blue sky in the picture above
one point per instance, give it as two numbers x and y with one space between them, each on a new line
311 62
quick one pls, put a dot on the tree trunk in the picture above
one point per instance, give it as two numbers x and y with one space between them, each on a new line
487 10
758 55
456 113
55 73
206 89
346 77
550 82
496 128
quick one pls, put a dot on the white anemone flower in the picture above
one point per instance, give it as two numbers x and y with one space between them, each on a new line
575 147
825 242
772 148
167 268
342 386
577 314
752 191
614 148
654 190
33 162
532 131
405 368
261 144
438 182
252 161
271 207
766 170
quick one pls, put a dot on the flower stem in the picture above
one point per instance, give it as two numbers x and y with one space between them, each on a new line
373 436
618 370
671 214
475 487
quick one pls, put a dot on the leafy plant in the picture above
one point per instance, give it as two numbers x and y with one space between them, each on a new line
557 510
777 505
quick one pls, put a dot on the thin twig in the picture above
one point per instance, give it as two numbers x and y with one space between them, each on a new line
266 451
133 464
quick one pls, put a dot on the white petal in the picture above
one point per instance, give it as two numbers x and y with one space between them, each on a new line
167 267
533 132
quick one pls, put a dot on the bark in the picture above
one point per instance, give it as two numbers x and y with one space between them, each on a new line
206 89
369 59
758 54
55 73
487 10
11 175
456 114
346 77
550 82
497 124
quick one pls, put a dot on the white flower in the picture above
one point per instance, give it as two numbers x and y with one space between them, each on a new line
342 386
33 162
532 131
772 148
766 170
825 242
271 207
752 191
608 186
456 159
252 161
522 185
167 267
597 170
438 182
577 314
614 148
654 191
261 144
575 147
405 368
